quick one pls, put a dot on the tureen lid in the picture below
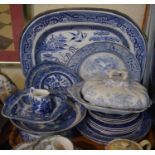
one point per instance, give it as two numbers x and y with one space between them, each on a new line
115 91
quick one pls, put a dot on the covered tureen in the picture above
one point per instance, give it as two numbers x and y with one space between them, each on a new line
113 94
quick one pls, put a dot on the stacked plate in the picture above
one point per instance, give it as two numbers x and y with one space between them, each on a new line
103 128
59 49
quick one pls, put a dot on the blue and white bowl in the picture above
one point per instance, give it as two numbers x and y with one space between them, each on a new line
72 115
19 106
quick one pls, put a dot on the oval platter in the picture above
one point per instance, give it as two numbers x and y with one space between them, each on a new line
56 36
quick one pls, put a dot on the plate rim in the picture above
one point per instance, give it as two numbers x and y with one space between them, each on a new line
48 65
123 15
111 52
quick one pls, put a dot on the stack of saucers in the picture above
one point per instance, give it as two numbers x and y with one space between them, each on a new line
116 108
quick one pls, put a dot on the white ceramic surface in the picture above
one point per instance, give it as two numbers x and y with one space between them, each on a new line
115 92
126 144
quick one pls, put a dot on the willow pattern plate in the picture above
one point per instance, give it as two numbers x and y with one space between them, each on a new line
56 36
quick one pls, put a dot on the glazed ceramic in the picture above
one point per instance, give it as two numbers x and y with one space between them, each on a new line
6 87
22 106
97 59
54 143
75 92
116 92
112 118
38 100
27 137
104 138
24 146
123 130
119 127
51 76
56 36
69 117
125 144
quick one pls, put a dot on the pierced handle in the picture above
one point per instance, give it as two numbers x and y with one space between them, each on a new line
118 73
145 143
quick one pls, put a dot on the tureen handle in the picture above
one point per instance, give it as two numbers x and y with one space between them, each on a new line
118 73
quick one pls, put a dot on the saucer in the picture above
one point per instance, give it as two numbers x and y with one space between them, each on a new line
51 76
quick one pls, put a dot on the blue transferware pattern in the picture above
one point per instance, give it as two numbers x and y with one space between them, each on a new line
27 137
101 57
110 132
7 87
116 128
116 92
51 76
15 107
137 135
113 119
121 28
118 125
37 101
75 92
66 39
69 118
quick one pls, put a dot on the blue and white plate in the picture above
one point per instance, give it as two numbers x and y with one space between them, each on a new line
97 59
113 119
69 118
56 36
51 76
118 125
137 135
115 128
15 108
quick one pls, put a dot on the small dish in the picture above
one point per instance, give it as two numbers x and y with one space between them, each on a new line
55 142
69 118
17 107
